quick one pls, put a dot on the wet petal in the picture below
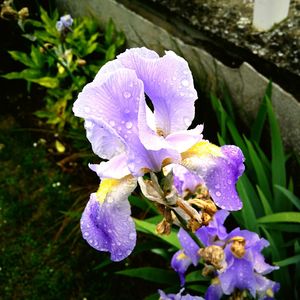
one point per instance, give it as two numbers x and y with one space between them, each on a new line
189 246
104 143
114 168
239 275
266 288
219 168
180 263
113 103
214 292
169 84
106 223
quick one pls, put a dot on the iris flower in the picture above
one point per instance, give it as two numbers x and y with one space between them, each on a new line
137 112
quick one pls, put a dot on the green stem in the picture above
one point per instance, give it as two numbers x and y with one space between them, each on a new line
192 234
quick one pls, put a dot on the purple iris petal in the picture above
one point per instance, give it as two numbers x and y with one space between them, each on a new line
214 292
65 22
179 296
239 274
265 288
180 263
215 229
184 179
168 83
108 226
189 245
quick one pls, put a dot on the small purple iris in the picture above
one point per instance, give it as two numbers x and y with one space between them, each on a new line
65 22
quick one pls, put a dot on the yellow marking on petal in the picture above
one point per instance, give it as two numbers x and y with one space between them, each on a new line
201 149
181 256
270 293
105 187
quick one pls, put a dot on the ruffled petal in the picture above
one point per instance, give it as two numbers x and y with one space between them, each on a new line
114 168
113 104
219 168
180 263
189 246
214 292
104 143
169 84
239 275
106 223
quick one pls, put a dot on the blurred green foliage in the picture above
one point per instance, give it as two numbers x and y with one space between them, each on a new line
64 63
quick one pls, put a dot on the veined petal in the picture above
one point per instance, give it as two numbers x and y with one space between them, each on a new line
114 168
106 223
169 84
189 246
113 103
104 143
219 167
180 263
185 139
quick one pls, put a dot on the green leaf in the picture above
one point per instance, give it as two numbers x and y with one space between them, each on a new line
262 177
27 74
248 213
292 197
48 82
109 32
21 57
161 276
288 261
278 157
151 228
259 122
267 208
289 217
110 53
195 276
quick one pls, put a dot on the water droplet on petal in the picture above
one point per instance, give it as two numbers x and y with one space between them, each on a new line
118 243
181 94
127 111
128 125
218 194
229 181
112 123
184 82
86 234
127 94
91 241
187 121
87 109
132 236
217 186
110 199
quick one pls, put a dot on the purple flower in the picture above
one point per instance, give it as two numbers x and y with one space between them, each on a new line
137 137
178 296
65 22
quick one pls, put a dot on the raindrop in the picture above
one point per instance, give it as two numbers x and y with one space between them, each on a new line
217 186
118 243
119 128
87 109
218 194
127 111
132 236
128 125
112 123
86 234
127 94
184 82
229 181
187 121
110 199
181 94
88 124
88 225
91 241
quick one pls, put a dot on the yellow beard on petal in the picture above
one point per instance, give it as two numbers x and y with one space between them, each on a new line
202 148
105 187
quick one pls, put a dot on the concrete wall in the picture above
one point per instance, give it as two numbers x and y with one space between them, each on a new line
245 84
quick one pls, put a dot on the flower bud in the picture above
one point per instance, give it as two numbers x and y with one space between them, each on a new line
213 255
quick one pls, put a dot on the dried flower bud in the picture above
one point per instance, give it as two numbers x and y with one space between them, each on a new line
81 62
208 271
8 13
23 13
193 224
238 246
213 255
164 227
206 218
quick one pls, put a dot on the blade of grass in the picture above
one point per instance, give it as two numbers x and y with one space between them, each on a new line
293 198
285 217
